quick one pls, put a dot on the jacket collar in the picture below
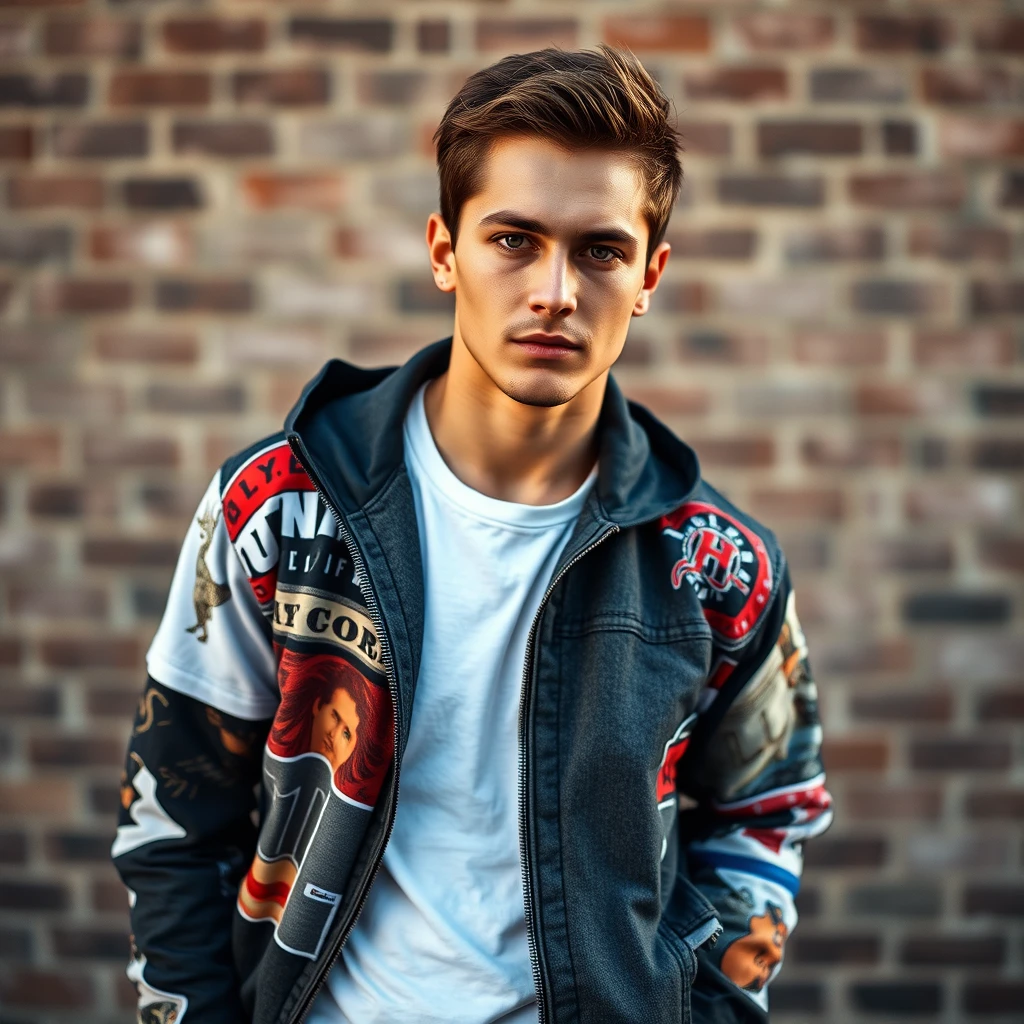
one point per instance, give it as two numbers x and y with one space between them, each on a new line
349 421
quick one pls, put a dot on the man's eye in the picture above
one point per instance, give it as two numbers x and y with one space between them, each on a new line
513 241
347 734
603 254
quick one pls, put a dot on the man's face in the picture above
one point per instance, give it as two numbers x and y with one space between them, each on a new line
335 729
549 267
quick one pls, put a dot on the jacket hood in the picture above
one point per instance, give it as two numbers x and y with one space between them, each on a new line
349 421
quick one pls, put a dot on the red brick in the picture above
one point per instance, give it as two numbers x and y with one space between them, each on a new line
841 347
858 85
37 797
90 652
433 35
40 446
706 138
771 190
139 345
100 140
523 34
26 987
214 35
56 500
103 449
671 401
16 142
82 296
17 39
821 138
62 397
740 83
231 139
394 244
1000 35
41 192
1003 552
973 137
177 295
908 189
159 88
894 33
93 37
682 297
56 598
927 397
712 243
374 35
785 30
891 803
902 706
212 399
997 298
153 244
110 897
909 553
958 243
855 754
967 348
735 452
648 32
851 451
287 87
978 84
863 656
129 552
322 192
809 503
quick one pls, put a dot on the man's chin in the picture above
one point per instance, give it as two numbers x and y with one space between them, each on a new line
543 391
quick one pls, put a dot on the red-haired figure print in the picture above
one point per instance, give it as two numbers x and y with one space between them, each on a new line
328 707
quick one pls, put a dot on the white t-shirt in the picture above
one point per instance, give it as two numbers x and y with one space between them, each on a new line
442 936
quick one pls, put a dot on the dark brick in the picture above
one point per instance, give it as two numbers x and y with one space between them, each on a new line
149 602
896 298
93 37
78 847
649 32
706 138
91 943
857 242
816 948
29 987
995 805
127 345
433 35
705 345
829 851
855 753
210 296
82 296
16 945
223 138
970 85
797 997
892 803
997 453
903 706
98 140
993 996
162 194
902 899
999 400
159 88
998 705
858 85
998 900
210 398
905 998
952 608
960 754
771 190
953 950
16 142
908 189
29 244
62 90
215 35
126 552
103 449
910 554
418 295
286 88
105 800
371 34
13 847
23 894
960 242
42 192
1012 192
997 298
61 501
29 702
899 138
713 243
75 751
90 652
395 88
1000 35
893 33
822 138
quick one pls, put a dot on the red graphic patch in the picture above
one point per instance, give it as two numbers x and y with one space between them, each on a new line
725 564
268 473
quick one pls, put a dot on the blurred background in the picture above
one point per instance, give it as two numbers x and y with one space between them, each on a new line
200 202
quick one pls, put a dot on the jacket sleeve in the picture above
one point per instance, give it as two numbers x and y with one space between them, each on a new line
759 787
188 792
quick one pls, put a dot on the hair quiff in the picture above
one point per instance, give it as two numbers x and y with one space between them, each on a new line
579 99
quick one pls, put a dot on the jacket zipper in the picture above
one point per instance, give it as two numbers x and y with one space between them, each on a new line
524 700
363 581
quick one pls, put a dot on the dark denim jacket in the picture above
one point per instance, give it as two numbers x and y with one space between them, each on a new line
665 668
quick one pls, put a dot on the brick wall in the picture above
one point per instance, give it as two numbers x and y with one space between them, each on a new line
201 201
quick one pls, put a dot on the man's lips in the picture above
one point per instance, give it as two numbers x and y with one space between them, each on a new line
548 340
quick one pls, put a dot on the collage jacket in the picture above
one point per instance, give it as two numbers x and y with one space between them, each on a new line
669 768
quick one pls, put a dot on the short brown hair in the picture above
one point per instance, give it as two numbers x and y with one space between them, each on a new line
580 99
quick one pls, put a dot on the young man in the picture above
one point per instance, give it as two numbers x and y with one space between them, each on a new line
442 661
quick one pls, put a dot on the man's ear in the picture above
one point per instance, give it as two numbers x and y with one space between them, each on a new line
652 275
442 252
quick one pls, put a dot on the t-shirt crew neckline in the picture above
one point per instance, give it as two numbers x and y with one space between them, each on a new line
420 444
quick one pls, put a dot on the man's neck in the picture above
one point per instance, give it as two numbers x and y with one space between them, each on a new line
505 449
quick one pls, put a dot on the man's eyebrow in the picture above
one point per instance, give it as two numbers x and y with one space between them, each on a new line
515 220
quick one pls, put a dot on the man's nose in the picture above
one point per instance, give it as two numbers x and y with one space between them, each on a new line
553 287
